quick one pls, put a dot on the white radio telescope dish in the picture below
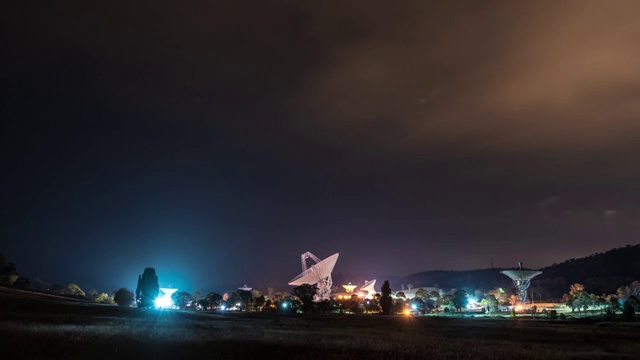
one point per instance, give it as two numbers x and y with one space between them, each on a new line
521 281
318 274
368 288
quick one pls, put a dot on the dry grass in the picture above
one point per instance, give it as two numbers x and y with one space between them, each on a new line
44 328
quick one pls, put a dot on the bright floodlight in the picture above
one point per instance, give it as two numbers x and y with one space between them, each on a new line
319 273
521 280
164 301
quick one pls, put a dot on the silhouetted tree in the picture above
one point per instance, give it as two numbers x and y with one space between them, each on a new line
633 302
148 288
246 300
57 289
214 299
123 297
372 305
91 294
385 300
8 272
258 302
181 299
22 284
459 300
629 311
233 299
306 293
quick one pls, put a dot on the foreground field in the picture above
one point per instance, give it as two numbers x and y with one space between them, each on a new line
38 326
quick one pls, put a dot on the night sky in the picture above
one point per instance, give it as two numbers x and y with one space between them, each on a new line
219 140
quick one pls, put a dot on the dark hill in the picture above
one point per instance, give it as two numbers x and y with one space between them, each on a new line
600 273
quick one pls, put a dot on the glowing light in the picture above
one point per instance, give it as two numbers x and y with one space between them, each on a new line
284 305
407 312
222 307
414 306
164 302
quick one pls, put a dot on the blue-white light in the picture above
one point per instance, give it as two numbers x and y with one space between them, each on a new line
164 302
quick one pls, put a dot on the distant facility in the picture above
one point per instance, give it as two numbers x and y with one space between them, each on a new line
318 274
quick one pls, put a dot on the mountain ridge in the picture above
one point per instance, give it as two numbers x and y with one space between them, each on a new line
600 273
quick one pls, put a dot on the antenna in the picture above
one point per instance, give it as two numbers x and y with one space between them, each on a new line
305 256
521 281
318 273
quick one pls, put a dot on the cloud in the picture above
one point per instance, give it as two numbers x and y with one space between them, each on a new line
609 214
557 79
548 201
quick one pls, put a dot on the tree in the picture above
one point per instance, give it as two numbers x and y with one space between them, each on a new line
181 299
582 301
103 299
459 300
372 305
354 304
398 305
258 302
91 294
576 289
613 303
73 289
246 300
22 284
385 300
490 303
148 288
306 293
421 294
57 289
633 302
634 288
574 298
197 296
123 297
214 299
8 273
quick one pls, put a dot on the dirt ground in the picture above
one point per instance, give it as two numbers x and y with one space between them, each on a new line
49 327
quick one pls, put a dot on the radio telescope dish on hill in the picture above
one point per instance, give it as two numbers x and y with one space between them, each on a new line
318 274
368 287
521 280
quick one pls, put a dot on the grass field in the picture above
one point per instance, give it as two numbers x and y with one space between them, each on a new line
47 327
